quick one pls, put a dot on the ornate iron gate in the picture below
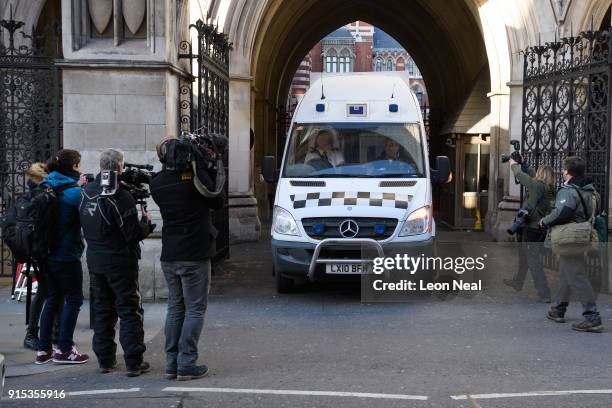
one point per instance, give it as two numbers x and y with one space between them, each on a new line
208 111
30 106
566 108
566 111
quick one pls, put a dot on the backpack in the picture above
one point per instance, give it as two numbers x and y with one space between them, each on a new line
30 227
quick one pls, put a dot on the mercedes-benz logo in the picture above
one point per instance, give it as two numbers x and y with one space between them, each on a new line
349 229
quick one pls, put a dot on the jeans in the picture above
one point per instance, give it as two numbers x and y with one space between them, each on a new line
574 281
65 280
530 258
115 295
38 302
187 301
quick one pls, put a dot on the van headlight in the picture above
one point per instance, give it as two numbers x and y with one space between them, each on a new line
283 223
418 222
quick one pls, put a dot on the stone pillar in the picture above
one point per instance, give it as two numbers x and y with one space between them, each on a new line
498 181
121 91
244 224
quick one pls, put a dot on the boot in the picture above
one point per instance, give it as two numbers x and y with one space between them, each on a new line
31 338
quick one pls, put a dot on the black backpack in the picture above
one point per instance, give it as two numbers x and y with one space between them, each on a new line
30 227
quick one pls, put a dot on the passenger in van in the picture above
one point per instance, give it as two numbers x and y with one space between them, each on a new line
394 151
325 152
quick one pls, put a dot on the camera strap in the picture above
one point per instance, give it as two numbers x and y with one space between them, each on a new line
584 208
219 181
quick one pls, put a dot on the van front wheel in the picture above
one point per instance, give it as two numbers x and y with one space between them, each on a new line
284 284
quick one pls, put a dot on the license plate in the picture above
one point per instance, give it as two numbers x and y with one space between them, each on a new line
347 269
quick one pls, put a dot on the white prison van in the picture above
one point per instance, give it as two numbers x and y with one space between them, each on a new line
355 174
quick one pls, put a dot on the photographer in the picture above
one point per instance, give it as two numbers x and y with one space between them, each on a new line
185 257
539 194
574 204
113 231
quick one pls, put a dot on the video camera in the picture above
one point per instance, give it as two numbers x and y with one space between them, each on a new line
206 150
515 155
522 217
135 178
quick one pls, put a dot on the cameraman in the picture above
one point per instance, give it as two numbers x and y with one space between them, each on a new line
113 231
539 194
185 256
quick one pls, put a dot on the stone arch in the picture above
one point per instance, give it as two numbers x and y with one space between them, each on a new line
27 11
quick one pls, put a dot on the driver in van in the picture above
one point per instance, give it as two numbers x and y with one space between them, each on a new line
393 151
325 151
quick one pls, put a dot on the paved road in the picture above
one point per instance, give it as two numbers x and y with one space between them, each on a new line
324 347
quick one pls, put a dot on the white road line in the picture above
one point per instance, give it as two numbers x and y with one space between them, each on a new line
528 394
299 392
98 392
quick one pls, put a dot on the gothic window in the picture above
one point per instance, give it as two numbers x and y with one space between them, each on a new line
389 64
331 61
111 20
400 64
410 67
378 64
345 61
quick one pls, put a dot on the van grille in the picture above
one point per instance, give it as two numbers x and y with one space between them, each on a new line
397 183
367 227
303 183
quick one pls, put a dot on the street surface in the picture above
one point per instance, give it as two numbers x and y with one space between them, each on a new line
323 347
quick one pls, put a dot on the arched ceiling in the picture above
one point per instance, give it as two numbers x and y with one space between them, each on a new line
442 36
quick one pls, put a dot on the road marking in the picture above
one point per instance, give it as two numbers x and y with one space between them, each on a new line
528 394
97 392
299 392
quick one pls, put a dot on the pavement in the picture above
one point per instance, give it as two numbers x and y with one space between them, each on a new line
323 347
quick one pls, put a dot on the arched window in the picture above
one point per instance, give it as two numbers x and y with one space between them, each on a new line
389 64
418 91
378 64
400 64
410 67
331 61
345 61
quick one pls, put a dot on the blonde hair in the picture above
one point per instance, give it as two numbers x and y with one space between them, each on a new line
37 172
546 175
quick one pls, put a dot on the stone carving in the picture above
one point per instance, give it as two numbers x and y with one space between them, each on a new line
101 12
134 13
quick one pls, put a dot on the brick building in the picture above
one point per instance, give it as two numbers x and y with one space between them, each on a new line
356 47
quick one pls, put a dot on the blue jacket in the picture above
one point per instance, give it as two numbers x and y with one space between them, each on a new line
69 227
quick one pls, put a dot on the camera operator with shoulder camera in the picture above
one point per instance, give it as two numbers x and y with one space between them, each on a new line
185 190
539 195
113 229
577 203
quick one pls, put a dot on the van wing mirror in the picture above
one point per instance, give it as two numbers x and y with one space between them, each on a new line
441 173
268 169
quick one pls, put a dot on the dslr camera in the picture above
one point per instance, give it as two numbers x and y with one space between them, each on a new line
522 217
515 155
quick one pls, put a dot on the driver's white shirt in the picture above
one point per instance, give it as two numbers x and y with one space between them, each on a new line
334 156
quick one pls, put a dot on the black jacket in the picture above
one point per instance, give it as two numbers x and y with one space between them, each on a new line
186 234
111 226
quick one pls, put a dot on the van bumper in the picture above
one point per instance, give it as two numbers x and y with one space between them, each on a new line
296 258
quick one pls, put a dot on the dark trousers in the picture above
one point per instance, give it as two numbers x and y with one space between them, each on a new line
65 281
530 258
38 301
573 282
187 301
115 295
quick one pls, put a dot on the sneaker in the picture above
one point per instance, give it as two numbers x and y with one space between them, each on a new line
192 374
141 369
592 326
556 316
170 375
43 357
31 340
70 357
107 368
513 284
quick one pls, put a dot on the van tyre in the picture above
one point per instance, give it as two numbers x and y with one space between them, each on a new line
284 284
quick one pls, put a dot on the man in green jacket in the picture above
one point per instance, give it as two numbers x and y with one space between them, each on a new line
572 268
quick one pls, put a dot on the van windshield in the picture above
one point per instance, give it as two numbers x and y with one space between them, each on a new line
355 150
